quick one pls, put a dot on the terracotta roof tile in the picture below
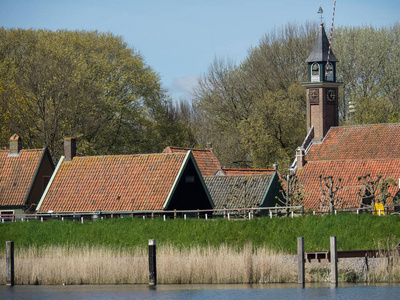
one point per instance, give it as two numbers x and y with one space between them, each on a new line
381 141
17 174
348 171
206 160
349 152
113 183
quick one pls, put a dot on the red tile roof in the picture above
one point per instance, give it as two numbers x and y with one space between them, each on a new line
113 183
206 160
348 171
348 152
233 171
381 141
17 174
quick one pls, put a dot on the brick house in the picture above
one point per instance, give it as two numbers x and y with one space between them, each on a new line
24 174
340 151
348 152
125 183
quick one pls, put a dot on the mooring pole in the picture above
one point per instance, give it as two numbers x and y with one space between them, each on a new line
300 259
10 263
152 263
334 261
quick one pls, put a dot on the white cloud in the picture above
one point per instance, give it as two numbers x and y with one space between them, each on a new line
183 86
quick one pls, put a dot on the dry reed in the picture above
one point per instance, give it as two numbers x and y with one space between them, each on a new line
101 265
202 265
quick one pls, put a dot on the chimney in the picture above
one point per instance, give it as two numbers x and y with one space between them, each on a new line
209 145
300 158
69 148
15 145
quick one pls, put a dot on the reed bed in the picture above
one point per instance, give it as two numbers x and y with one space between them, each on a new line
197 265
101 265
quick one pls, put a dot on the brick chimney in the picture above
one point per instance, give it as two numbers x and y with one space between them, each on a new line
69 148
15 145
300 158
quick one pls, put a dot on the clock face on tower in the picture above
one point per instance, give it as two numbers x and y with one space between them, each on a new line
314 96
331 95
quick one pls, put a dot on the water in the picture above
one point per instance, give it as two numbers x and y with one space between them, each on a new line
256 291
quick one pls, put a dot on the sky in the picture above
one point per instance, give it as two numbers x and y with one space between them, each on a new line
179 39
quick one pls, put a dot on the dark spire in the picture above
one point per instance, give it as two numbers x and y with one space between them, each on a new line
319 52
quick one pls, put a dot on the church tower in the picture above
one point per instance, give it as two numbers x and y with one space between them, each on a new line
322 88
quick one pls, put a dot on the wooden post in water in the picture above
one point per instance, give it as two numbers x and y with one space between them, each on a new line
10 263
152 263
334 261
300 258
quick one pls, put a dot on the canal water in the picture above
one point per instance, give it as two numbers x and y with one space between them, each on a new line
230 292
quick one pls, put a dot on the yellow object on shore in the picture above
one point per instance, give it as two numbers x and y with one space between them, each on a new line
379 210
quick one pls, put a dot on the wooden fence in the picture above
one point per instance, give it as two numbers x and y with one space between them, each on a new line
236 214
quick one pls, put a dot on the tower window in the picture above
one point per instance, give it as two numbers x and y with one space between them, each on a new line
329 72
315 72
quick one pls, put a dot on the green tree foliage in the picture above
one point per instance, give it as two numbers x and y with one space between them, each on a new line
369 66
222 101
89 85
255 111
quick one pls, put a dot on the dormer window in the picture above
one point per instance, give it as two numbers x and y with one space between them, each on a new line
329 72
315 72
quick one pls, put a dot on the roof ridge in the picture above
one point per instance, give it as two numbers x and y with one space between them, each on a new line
353 159
184 148
125 155
365 125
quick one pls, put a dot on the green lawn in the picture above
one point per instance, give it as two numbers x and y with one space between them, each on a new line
352 231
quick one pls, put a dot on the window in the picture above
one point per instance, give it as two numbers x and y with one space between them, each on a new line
329 72
315 72
189 179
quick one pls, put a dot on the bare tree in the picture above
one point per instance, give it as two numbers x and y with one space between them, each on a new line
374 191
329 190
367 191
292 193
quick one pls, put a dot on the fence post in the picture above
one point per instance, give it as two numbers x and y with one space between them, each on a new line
334 260
300 258
10 263
229 217
174 213
152 263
